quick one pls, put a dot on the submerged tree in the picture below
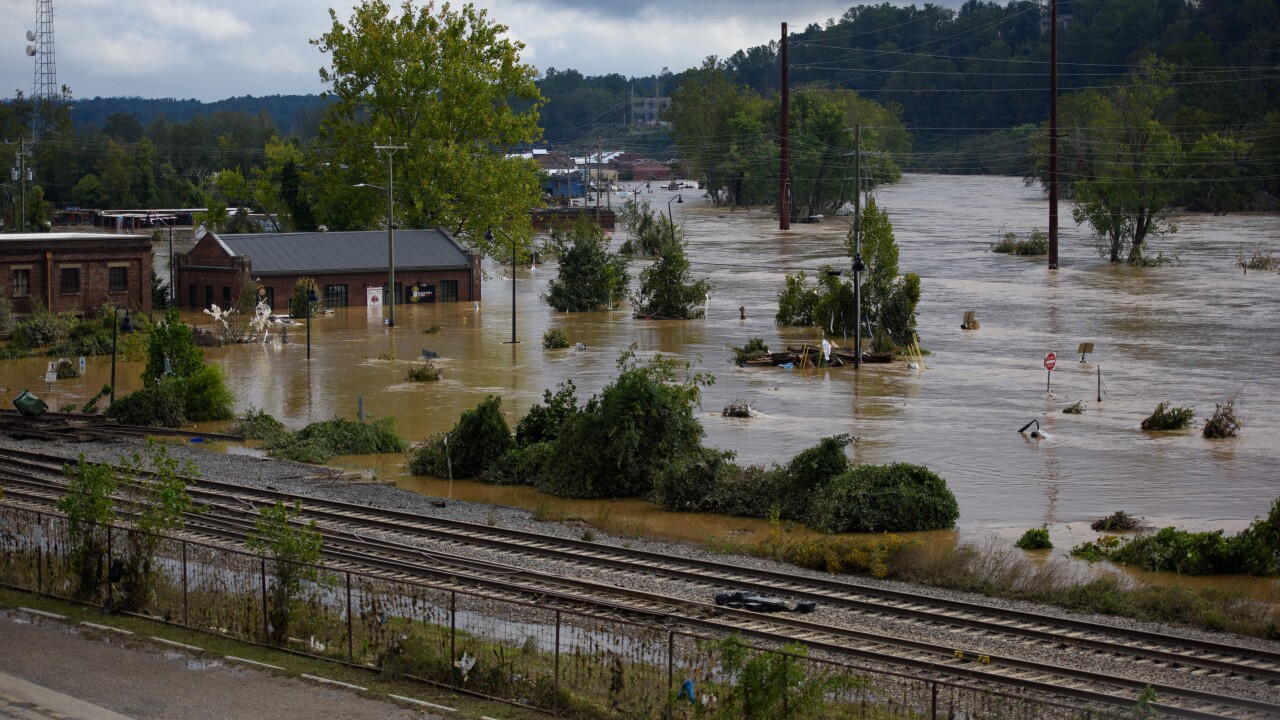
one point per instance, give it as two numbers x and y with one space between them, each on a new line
1127 177
888 301
667 288
591 277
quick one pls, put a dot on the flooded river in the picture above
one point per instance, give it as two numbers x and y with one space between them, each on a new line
1192 335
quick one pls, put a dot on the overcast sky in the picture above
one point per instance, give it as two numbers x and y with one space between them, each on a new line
210 50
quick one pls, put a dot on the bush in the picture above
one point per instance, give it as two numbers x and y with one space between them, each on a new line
542 423
480 437
1253 551
321 441
86 337
555 339
299 300
6 318
667 289
1119 520
41 328
1224 423
66 369
1164 418
422 372
615 446
796 302
1075 408
205 395
688 483
591 277
522 465
1036 243
171 341
885 498
257 425
158 405
1035 539
754 348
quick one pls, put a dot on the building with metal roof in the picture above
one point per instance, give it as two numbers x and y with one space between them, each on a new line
349 268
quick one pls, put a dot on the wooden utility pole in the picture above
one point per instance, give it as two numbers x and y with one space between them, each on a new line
857 246
1053 135
784 200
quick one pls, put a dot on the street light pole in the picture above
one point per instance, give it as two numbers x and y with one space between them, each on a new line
126 327
671 222
311 307
389 297
488 235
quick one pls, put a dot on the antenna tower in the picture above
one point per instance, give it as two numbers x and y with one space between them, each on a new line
45 88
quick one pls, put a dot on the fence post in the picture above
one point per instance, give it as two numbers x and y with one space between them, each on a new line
453 632
350 635
671 670
266 625
39 568
933 702
555 703
111 596
185 621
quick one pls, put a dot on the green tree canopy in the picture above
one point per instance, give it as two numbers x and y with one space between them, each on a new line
440 82
591 277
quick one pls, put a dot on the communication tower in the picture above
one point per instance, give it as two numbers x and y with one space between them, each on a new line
45 88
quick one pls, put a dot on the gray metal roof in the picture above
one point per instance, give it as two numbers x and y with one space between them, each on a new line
357 251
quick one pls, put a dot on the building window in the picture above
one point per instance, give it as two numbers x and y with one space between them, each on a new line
193 293
448 291
70 281
208 296
335 295
226 298
118 279
21 283
270 297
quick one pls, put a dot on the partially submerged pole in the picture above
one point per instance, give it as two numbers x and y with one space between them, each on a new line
784 122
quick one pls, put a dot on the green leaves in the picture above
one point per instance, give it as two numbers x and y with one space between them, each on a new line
439 81
591 277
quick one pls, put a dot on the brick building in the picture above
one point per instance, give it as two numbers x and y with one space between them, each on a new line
76 273
343 264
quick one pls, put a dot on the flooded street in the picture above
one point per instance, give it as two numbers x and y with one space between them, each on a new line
1192 335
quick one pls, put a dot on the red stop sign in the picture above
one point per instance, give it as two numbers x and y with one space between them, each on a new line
1050 360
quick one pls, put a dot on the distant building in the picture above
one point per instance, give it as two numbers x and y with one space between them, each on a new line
76 272
343 265
546 219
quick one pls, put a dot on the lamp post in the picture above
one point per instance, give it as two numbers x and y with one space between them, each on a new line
389 298
858 267
671 222
125 327
488 235
311 308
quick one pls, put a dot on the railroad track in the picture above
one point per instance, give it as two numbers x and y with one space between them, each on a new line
391 542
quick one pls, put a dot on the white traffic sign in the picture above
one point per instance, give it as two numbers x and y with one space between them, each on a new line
1050 360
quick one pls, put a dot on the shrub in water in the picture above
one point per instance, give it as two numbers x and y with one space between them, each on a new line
158 405
205 395
1035 539
555 339
422 372
1224 423
618 442
480 438
66 370
257 425
321 441
1165 418
542 423
885 498
753 349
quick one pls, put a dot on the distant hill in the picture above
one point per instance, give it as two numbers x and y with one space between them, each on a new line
291 114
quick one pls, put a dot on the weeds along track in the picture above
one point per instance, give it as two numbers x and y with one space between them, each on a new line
981 644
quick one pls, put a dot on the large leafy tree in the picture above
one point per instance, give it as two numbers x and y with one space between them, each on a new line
439 81
1126 176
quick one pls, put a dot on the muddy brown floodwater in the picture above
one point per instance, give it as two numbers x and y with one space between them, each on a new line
1192 334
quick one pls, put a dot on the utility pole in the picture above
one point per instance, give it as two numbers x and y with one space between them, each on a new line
389 297
21 173
784 174
856 264
1053 135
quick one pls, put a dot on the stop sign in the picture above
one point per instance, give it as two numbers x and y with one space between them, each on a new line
1049 361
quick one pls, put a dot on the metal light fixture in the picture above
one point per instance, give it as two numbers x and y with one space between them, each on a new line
488 235
125 326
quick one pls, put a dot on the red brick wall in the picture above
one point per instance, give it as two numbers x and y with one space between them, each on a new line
46 258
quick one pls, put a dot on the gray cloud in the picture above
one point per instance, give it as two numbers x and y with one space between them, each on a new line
213 49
